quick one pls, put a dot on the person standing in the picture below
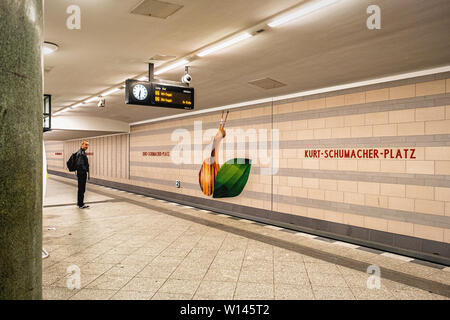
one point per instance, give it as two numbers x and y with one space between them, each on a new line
82 173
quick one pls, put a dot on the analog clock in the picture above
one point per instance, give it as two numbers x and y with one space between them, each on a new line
140 92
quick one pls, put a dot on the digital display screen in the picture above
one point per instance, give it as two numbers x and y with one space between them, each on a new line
158 94
165 95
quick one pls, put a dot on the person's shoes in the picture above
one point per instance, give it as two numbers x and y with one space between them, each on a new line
84 206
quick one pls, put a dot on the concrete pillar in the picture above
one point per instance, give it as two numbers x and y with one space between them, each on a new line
21 99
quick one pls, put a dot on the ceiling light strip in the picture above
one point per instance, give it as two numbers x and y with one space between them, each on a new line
224 44
303 11
172 66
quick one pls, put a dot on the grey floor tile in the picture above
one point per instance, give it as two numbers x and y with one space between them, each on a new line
180 286
93 294
144 284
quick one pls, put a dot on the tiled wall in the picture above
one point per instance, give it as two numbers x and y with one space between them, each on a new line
108 156
409 197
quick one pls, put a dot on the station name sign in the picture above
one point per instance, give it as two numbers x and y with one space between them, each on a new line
361 154
155 94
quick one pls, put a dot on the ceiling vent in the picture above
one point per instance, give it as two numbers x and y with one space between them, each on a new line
156 9
267 83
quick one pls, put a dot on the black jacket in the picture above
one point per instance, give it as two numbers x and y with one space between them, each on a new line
82 161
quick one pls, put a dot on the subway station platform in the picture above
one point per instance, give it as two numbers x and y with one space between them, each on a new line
128 246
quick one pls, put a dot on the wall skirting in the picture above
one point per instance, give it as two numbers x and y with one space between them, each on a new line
424 249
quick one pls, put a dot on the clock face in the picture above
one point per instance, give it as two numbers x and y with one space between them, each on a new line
140 92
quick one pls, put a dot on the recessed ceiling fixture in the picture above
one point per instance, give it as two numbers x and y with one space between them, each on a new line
304 10
267 83
156 9
172 66
224 44
49 47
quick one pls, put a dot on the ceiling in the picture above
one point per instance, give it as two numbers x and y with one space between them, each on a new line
328 47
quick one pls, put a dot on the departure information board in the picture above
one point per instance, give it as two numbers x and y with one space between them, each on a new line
158 95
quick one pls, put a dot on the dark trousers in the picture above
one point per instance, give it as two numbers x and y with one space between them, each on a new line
82 176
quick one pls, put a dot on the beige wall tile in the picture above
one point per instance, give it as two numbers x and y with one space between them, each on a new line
362 131
442 194
437 153
354 198
400 227
430 88
316 194
402 92
369 187
299 124
311 164
311 183
377 118
347 186
354 120
341 132
396 190
375 223
305 134
299 106
385 130
328 164
353 220
447 234
334 122
411 129
336 196
377 95
394 166
369 165
333 216
401 204
348 165
437 127
447 85
420 192
322 133
335 101
315 213
376 201
355 98
326 184
421 167
399 116
316 123
442 167
428 232
426 114
430 206
316 103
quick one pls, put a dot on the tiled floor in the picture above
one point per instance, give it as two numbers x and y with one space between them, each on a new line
134 247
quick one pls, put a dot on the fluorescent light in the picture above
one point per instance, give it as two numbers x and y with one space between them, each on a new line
104 94
76 105
224 44
304 10
172 66
90 100
49 47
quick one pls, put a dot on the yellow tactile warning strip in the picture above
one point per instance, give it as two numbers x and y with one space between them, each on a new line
423 275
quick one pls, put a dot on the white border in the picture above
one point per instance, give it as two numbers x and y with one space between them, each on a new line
303 93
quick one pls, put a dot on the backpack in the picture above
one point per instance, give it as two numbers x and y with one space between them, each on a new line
72 162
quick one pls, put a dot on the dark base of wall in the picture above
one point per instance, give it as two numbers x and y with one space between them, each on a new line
434 251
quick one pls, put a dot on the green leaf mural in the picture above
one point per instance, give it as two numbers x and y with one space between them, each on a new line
232 178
